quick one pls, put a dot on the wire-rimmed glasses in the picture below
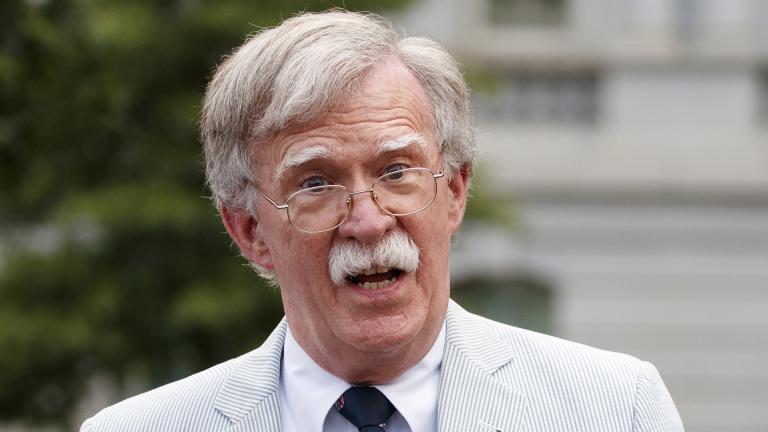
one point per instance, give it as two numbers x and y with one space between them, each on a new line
398 193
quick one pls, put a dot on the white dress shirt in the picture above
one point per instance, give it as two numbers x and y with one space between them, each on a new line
308 393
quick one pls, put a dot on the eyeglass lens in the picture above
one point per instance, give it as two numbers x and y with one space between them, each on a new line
398 193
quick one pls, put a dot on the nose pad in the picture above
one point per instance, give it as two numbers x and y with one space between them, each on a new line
366 220
375 198
373 202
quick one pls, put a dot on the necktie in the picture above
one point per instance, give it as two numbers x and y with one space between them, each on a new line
366 408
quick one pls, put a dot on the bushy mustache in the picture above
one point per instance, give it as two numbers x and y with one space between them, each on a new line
350 257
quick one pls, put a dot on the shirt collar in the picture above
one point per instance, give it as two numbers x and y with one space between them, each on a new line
308 391
415 392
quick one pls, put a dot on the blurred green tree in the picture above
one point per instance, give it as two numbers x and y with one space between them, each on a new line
115 263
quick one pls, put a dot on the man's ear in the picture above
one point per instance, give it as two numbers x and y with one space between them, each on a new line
245 230
459 187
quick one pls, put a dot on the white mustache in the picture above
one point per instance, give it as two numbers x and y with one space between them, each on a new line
350 257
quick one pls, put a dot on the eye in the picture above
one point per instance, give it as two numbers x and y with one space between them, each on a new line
394 168
314 181
395 172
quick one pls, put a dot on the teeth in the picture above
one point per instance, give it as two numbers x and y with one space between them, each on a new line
374 270
375 285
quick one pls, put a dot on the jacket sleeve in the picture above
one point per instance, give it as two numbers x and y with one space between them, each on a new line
654 409
87 425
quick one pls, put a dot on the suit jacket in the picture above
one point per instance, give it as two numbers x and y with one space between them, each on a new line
494 377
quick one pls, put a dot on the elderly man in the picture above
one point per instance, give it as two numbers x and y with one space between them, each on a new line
339 156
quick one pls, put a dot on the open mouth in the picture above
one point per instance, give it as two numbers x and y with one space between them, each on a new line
375 277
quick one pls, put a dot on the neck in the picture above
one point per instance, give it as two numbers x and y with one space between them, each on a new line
363 367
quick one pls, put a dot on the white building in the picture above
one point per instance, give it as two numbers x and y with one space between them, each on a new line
631 138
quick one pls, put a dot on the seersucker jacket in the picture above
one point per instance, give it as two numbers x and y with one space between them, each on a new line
494 377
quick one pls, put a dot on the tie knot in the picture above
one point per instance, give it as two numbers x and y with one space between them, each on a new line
366 408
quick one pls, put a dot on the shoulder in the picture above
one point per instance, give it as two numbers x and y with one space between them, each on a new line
528 348
576 381
207 400
160 408
563 357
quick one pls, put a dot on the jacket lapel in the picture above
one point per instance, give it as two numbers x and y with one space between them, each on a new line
476 391
249 396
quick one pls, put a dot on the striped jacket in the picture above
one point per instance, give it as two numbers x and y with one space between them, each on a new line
494 378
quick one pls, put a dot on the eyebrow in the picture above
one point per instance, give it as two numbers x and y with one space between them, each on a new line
308 154
301 157
401 143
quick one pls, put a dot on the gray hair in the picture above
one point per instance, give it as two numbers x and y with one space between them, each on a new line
297 72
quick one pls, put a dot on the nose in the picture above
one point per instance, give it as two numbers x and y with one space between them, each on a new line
366 222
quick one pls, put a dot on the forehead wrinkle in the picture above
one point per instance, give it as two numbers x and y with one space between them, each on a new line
294 159
401 143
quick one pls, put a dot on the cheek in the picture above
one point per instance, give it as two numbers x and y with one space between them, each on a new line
432 233
300 258
432 236
439 219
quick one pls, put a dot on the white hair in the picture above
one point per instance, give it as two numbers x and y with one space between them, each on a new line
401 143
302 156
350 257
298 71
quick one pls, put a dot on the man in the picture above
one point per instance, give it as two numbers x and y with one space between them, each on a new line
339 156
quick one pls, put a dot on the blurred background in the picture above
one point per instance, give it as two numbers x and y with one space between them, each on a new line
621 199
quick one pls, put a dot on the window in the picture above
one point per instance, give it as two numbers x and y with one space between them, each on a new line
526 12
763 97
539 98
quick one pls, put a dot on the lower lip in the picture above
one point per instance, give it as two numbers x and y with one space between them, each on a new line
379 292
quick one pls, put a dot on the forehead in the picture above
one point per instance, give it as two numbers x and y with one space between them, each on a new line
389 104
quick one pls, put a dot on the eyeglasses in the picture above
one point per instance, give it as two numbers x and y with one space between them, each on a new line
398 193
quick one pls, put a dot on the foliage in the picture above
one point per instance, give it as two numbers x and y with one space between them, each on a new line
98 109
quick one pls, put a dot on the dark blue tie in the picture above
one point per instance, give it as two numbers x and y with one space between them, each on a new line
366 408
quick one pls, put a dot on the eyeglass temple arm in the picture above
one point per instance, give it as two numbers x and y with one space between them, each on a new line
441 173
277 206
